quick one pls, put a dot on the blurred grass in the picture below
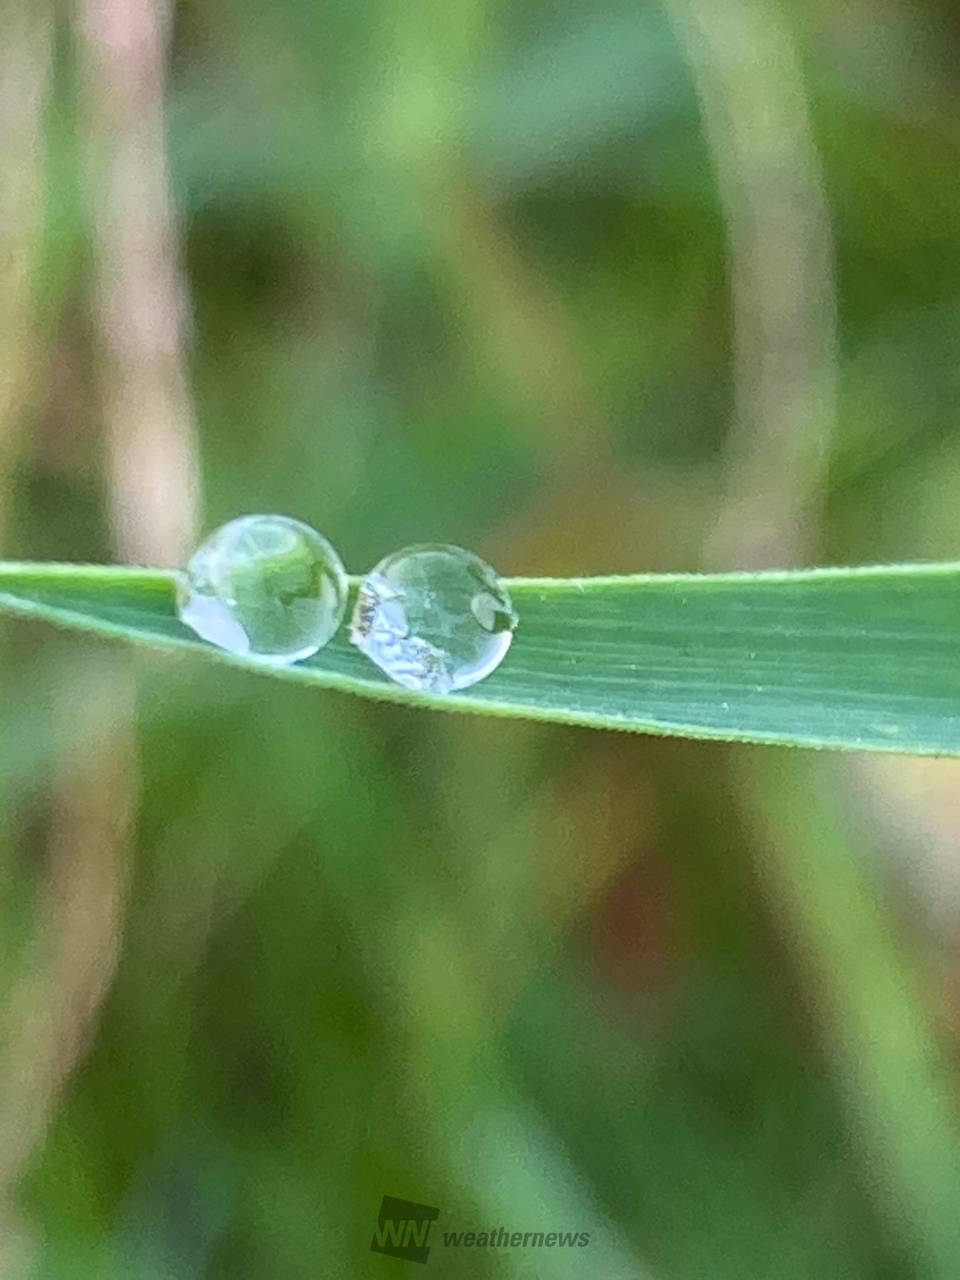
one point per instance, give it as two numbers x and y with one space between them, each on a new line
459 272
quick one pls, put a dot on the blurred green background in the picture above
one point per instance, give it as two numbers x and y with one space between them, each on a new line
586 288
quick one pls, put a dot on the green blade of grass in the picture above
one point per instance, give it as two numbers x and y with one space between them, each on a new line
863 658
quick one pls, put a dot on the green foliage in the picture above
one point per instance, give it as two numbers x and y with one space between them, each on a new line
459 272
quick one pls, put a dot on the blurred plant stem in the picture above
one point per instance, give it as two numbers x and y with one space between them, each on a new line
63 973
750 84
151 487
26 37
153 469
897 1080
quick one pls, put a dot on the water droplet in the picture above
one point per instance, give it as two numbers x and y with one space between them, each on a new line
264 586
434 618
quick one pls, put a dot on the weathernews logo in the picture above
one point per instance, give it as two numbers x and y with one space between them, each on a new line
403 1230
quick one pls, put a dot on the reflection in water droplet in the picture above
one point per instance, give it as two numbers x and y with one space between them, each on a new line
264 586
434 618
